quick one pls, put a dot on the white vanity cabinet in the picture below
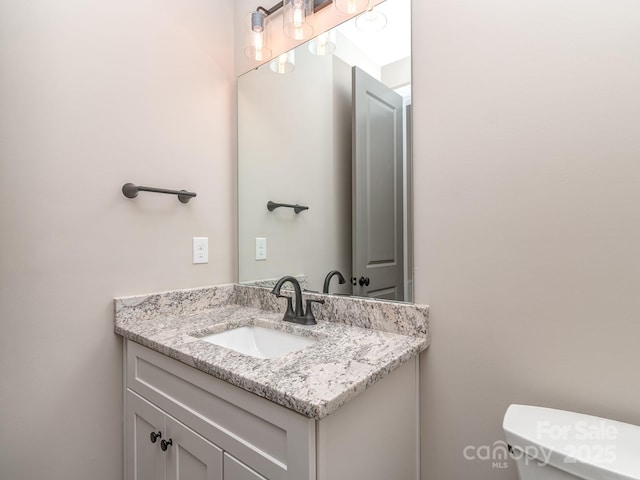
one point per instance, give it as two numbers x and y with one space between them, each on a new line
218 431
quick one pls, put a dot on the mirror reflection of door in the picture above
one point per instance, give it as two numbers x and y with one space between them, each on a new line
378 189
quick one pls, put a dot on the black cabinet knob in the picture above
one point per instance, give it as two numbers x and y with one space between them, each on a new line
164 444
155 436
364 281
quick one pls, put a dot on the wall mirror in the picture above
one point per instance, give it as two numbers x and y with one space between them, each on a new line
327 126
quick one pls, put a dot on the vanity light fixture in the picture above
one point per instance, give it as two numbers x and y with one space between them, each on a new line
285 63
371 21
351 7
295 23
323 44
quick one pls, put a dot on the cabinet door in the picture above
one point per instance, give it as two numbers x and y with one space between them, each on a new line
144 459
190 456
235 470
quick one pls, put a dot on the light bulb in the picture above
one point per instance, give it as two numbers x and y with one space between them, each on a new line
282 63
258 45
323 44
285 63
258 40
298 17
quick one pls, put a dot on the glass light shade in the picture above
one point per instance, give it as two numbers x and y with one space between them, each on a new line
257 37
295 19
371 21
285 63
323 44
351 7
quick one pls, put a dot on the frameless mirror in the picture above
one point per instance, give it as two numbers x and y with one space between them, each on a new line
328 130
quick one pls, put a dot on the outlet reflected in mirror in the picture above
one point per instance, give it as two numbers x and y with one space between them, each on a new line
334 135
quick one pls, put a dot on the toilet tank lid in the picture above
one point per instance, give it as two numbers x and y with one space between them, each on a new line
583 445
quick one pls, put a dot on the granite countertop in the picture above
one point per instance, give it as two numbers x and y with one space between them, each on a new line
370 340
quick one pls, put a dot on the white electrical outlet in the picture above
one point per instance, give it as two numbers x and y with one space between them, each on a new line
261 248
200 250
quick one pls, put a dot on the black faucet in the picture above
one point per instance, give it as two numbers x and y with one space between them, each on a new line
298 315
327 280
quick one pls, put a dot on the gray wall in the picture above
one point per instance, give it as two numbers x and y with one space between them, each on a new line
527 189
94 94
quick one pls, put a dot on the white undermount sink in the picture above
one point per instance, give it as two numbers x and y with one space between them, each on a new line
259 342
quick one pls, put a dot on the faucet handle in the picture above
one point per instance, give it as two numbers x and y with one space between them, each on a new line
289 313
308 316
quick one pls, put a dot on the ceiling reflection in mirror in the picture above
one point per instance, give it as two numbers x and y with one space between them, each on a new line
324 161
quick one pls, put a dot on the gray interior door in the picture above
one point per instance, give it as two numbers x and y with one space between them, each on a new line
378 263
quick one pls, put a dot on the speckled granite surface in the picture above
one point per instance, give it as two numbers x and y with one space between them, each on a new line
359 341
270 282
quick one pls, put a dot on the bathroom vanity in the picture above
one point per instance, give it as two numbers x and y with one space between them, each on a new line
343 407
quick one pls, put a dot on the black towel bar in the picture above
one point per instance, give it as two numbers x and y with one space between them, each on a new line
131 190
271 206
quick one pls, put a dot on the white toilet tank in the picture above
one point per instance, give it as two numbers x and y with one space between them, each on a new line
553 444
